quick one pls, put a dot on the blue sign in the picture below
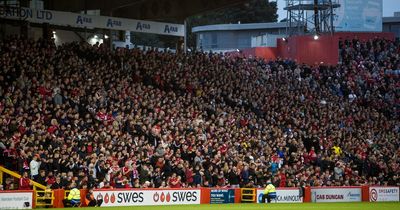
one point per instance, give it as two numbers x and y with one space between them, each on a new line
169 29
260 197
140 26
82 19
222 196
111 23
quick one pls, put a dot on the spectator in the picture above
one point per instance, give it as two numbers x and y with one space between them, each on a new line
24 182
34 166
89 116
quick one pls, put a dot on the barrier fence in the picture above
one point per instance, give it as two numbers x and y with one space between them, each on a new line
139 197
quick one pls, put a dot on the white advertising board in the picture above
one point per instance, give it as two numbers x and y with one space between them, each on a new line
16 200
147 197
336 194
283 195
90 21
378 194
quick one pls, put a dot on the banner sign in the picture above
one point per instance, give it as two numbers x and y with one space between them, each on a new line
16 200
90 21
147 197
336 194
222 196
377 194
283 195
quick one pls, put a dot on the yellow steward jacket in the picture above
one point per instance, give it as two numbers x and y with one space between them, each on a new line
269 189
74 194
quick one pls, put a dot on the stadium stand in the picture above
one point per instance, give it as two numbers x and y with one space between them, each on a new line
138 119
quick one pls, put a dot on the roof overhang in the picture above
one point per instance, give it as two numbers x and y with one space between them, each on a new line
157 10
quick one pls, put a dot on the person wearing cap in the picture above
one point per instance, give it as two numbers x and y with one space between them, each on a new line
269 192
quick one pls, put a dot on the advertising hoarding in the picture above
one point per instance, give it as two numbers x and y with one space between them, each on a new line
16 200
222 196
283 195
327 195
90 21
148 197
379 194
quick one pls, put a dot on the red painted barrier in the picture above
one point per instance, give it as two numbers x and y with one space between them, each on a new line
307 195
238 195
205 196
365 193
58 198
83 196
268 53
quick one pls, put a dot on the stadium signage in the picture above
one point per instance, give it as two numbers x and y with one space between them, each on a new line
283 195
25 13
336 194
379 194
168 29
147 197
222 196
140 26
16 200
83 20
111 23
90 21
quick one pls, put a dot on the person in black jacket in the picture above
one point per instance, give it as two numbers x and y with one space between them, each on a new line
91 200
57 185
42 178
234 177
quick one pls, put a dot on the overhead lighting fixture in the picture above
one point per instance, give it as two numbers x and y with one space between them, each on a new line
105 36
316 37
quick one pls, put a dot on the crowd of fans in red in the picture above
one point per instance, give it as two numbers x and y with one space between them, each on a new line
134 118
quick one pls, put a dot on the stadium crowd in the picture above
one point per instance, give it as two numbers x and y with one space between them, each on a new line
142 118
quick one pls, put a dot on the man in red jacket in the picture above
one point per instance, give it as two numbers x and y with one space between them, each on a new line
24 182
175 181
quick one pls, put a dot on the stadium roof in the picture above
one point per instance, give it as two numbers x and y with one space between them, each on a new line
391 19
156 10
238 27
